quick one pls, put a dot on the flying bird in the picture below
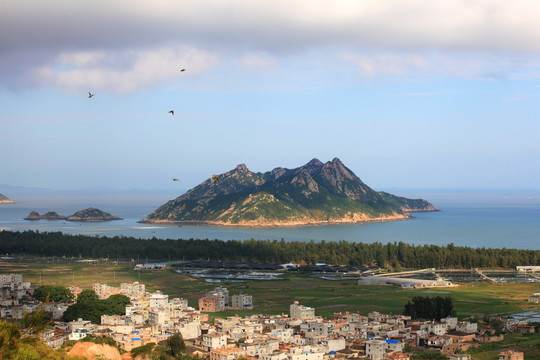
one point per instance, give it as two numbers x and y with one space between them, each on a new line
175 179
215 178
90 95
182 69
171 112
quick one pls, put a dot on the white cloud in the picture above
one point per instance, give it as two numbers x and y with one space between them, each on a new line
390 37
142 70
256 62
384 63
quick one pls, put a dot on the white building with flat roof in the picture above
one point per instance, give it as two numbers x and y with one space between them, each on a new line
158 300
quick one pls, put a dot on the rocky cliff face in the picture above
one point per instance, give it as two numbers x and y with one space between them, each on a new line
316 193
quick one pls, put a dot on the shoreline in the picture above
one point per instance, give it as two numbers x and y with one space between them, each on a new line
279 224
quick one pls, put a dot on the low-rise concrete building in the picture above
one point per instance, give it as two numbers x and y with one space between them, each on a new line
227 353
242 302
210 304
298 311
214 341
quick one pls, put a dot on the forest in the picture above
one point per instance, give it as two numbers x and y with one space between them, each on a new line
396 255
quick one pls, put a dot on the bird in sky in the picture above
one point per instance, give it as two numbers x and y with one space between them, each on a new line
90 95
175 179
182 69
215 178
171 112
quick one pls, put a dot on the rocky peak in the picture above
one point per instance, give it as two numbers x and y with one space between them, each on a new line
314 162
277 172
242 168
313 167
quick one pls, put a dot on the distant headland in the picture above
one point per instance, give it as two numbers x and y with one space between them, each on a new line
5 200
87 215
314 194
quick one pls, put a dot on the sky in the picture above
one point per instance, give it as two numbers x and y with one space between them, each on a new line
408 94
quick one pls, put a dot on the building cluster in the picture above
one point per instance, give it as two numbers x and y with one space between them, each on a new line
218 300
299 335
15 297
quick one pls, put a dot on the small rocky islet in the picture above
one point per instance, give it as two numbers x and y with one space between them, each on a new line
86 215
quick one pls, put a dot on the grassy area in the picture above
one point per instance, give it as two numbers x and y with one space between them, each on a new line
274 297
529 344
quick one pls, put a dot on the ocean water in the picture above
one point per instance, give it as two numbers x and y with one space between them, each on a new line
496 219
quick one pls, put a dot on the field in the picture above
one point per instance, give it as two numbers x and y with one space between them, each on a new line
274 297
529 344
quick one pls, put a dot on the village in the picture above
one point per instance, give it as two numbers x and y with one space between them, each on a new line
152 317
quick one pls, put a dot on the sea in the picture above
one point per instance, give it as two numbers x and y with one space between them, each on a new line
472 218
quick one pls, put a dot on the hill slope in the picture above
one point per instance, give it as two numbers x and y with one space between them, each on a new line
315 193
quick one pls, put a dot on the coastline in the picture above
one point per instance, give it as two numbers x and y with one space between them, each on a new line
356 219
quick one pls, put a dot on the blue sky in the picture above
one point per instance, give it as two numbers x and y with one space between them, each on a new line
408 94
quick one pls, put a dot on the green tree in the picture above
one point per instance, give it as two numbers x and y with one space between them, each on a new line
52 293
432 308
21 342
175 346
144 350
89 307
87 297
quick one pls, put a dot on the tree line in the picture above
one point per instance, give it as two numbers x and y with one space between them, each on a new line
394 255
430 308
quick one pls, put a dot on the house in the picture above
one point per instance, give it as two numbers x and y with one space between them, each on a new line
242 302
375 349
214 341
209 304
75 290
132 290
227 353
222 294
298 311
158 300
459 357
534 298
78 334
511 355
467 327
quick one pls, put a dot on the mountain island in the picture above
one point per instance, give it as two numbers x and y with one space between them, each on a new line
313 194
5 200
86 215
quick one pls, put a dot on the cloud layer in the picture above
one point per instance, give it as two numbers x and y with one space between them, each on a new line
130 45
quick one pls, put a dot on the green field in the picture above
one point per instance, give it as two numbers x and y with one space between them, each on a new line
274 297
529 344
